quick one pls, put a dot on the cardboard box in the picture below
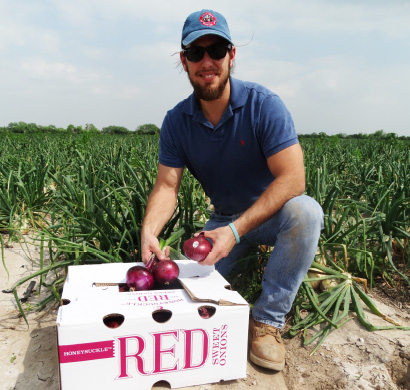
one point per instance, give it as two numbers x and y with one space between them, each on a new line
161 335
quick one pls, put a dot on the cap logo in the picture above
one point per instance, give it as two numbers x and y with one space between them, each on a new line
207 19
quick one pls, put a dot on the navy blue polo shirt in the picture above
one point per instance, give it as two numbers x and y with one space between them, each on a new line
229 159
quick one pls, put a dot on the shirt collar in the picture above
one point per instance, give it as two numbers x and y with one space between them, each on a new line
239 94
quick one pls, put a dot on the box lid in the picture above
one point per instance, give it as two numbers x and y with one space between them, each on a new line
201 283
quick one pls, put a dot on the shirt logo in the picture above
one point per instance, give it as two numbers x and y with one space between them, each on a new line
207 19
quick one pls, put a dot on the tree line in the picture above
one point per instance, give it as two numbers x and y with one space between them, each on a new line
379 134
22 127
151 129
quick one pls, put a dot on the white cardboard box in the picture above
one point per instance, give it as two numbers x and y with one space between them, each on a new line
162 336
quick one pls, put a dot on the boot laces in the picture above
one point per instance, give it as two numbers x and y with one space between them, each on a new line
265 329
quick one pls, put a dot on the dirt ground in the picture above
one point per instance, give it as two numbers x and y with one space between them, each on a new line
351 357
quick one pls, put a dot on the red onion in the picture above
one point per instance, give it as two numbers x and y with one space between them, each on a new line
206 311
203 312
165 271
139 278
197 248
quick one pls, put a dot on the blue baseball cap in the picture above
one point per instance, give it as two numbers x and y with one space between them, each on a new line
205 22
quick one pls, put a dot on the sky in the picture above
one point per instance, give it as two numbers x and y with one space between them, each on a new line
339 66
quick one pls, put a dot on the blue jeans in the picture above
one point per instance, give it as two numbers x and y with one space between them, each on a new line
294 233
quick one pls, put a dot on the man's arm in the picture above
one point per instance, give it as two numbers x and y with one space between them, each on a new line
160 207
288 169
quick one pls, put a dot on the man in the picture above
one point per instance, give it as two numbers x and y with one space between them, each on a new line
238 139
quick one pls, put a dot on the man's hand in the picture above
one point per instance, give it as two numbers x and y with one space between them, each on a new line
160 206
149 246
223 241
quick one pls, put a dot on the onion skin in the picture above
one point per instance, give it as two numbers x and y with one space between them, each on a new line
314 283
203 312
165 272
151 262
197 248
328 284
139 278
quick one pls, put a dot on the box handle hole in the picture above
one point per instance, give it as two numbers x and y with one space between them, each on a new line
206 312
123 287
162 384
161 316
113 320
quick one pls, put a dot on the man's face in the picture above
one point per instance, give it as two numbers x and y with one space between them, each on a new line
208 77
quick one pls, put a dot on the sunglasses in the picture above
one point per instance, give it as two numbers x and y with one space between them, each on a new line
217 51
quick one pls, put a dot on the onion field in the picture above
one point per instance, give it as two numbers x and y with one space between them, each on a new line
81 198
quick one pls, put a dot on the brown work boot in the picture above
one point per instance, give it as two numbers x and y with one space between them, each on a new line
266 346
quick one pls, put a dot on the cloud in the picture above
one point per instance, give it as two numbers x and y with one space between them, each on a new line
320 16
337 93
45 70
159 54
335 64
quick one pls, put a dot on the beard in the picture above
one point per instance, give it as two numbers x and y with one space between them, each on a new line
209 93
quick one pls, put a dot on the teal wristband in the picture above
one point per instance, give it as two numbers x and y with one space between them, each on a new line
235 233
